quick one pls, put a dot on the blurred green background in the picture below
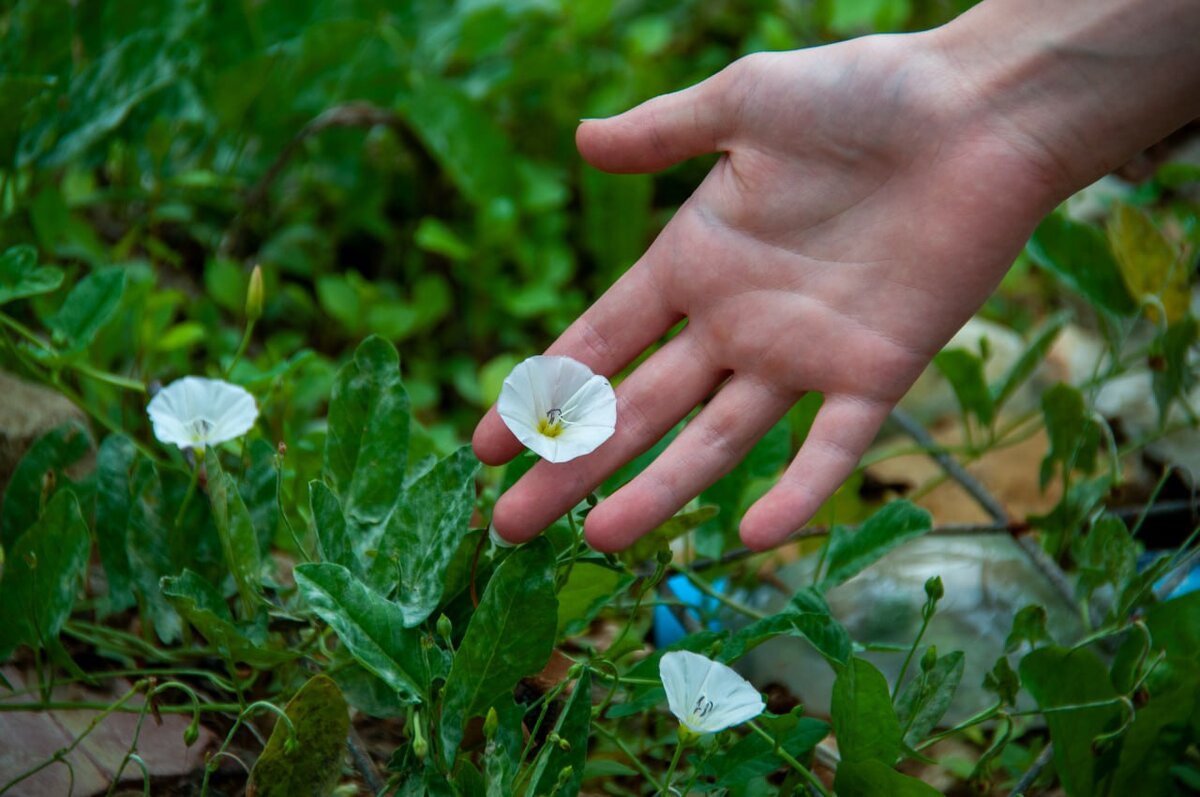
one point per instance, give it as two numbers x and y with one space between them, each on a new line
405 169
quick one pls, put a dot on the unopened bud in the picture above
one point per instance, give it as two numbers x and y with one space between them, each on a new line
565 775
420 748
444 627
192 732
934 589
929 659
254 295
491 723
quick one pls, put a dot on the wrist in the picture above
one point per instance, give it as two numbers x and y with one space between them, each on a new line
1078 88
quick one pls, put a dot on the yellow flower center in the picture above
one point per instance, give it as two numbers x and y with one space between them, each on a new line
552 424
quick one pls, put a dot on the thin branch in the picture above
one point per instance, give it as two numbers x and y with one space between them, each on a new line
351 114
1031 775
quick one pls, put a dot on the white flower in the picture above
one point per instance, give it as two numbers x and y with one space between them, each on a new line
194 412
557 407
705 695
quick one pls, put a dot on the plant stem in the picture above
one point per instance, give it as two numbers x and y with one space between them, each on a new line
679 745
925 618
708 590
642 769
804 771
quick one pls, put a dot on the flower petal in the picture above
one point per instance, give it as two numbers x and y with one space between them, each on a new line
690 678
226 410
540 384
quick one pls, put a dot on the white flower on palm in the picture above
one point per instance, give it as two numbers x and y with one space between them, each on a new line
705 695
557 407
195 412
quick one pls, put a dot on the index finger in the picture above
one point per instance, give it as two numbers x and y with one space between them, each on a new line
623 322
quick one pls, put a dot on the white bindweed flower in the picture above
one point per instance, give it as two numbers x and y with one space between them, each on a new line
194 412
705 695
557 407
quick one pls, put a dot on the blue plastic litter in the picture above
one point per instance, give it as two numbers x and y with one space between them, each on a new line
667 629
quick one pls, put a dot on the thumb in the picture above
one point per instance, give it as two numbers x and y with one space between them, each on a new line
663 131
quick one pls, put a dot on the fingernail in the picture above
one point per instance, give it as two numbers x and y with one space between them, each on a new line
591 119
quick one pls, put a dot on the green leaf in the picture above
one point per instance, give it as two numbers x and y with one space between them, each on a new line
964 371
1150 265
924 701
423 533
43 572
1079 256
1074 436
88 307
37 474
1039 346
104 93
1003 682
236 530
366 446
1158 739
754 757
333 540
807 615
1107 554
312 763
147 544
768 456
617 216
198 602
875 779
850 552
589 588
114 467
1176 378
468 145
648 546
864 721
574 726
1028 625
511 635
370 626
1061 680
20 276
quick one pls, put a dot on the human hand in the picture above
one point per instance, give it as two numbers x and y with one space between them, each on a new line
866 204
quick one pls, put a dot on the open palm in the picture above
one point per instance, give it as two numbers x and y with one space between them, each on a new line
863 207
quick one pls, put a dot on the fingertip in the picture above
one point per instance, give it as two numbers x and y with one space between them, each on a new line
603 530
492 442
771 520
509 518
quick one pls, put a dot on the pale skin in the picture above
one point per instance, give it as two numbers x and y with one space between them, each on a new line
869 197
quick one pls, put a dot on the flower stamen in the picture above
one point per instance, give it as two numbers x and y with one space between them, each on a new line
552 425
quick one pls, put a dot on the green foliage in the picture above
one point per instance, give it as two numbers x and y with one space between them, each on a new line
406 173
1077 254
305 758
852 551
21 277
42 572
37 475
510 636
926 698
1073 689
370 626
864 721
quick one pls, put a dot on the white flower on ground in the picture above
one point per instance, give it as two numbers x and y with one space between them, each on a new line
557 407
194 412
705 695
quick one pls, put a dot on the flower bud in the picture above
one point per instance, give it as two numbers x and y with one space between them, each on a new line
934 589
490 724
565 775
929 659
420 748
192 732
254 295
444 627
